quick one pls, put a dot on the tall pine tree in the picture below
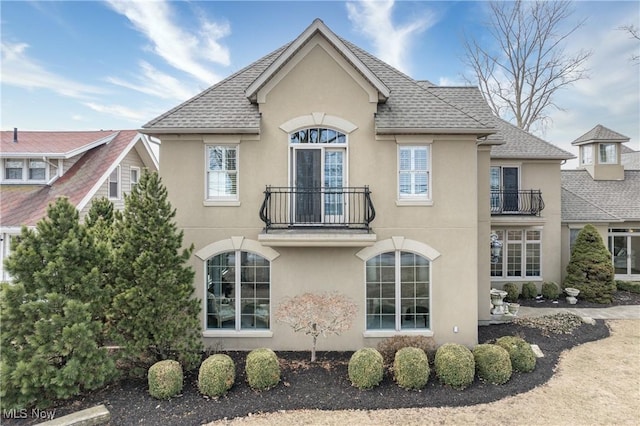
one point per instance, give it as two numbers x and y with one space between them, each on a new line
52 313
153 314
590 269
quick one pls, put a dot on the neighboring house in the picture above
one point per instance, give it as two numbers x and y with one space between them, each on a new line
606 193
321 168
38 167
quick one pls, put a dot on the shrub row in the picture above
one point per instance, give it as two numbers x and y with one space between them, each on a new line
454 365
549 290
217 374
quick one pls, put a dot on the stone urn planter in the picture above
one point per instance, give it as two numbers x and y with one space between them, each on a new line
497 300
513 308
572 295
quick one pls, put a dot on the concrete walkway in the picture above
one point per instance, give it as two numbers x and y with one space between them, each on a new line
612 313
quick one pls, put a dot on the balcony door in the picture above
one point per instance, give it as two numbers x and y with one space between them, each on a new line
318 182
504 188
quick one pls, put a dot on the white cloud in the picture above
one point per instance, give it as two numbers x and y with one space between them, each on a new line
135 115
392 42
190 52
19 70
155 83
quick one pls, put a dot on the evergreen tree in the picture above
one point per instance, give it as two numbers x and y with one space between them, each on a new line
52 313
590 269
153 315
100 219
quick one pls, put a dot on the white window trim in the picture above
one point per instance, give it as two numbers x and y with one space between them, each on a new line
25 171
523 260
228 201
398 244
583 150
415 200
119 181
614 160
236 332
137 169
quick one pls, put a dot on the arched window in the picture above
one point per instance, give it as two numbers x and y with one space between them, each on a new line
398 291
238 291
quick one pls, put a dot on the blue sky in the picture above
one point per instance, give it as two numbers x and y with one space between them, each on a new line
112 65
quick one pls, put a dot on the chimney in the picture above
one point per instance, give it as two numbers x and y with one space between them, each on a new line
15 135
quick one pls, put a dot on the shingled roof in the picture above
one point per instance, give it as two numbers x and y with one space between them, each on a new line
585 199
521 144
409 107
600 134
27 204
51 144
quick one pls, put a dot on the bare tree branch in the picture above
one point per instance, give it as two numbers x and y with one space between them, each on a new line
634 32
527 64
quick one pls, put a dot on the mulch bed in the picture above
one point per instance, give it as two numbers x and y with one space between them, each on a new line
322 385
325 384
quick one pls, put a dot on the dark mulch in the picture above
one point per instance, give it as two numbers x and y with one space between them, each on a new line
323 385
619 298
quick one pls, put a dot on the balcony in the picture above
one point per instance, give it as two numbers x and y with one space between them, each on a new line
317 216
523 202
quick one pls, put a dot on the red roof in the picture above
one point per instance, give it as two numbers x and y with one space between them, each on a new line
62 144
27 204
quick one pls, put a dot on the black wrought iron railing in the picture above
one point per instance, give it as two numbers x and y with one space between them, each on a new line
523 202
291 207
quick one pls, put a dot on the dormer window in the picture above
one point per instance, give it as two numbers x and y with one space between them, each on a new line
608 153
587 154
13 169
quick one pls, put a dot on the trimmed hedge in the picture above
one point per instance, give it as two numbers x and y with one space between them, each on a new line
165 379
632 286
512 292
550 290
522 357
366 368
262 368
390 346
411 368
529 290
216 375
454 365
493 363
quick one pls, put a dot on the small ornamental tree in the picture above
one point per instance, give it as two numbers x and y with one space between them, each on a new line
317 315
590 269
153 314
52 313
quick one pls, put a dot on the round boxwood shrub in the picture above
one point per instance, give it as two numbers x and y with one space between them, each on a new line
391 345
366 368
522 357
529 290
493 363
411 368
165 379
216 375
262 368
550 290
454 365
512 292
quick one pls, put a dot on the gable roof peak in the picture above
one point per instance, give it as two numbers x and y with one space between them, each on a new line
600 134
316 27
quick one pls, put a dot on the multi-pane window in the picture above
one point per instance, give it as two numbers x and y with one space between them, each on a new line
114 183
587 154
413 172
520 256
237 291
397 291
608 153
13 169
222 172
37 170
134 176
